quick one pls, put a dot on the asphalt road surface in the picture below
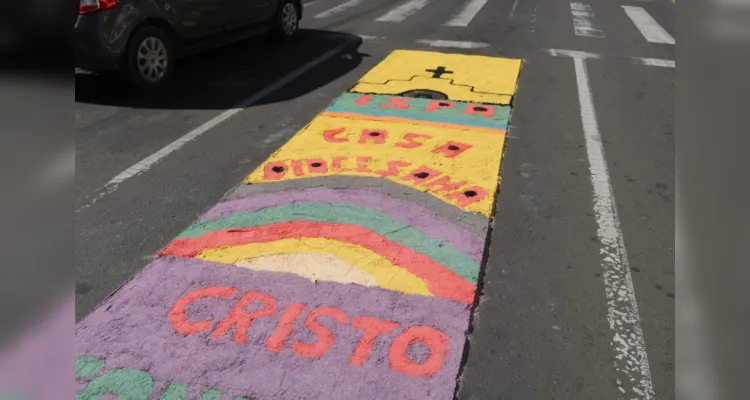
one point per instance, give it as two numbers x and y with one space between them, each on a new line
584 214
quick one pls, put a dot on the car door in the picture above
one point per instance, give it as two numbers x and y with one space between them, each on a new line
251 13
265 9
201 19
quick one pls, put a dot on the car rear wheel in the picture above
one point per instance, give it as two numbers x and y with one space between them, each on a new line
150 58
287 20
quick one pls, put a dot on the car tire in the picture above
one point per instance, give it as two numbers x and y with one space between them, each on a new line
149 59
286 22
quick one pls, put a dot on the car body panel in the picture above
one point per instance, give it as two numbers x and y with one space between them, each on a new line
102 37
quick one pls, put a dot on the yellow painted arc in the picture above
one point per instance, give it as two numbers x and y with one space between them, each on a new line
388 275
313 266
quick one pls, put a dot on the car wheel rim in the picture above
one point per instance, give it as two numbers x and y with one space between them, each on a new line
152 59
289 18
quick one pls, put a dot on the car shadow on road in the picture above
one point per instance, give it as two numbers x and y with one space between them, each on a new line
224 77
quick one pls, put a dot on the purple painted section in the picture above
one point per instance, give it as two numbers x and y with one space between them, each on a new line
131 330
39 363
408 213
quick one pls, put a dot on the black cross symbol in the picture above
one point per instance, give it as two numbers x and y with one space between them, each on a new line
439 71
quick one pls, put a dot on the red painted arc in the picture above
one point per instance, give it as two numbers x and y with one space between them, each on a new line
441 281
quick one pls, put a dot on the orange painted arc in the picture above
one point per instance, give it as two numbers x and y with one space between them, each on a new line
441 281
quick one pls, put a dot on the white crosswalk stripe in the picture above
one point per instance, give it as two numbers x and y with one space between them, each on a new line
453 43
465 10
650 29
339 9
401 12
464 17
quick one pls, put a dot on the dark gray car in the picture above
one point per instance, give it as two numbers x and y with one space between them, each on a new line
143 38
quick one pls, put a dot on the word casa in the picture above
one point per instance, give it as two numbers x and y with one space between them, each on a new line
449 149
406 103
240 320
421 178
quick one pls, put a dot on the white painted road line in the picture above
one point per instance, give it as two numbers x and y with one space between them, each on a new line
654 62
453 43
339 9
467 14
650 29
572 53
583 21
400 13
513 9
631 360
149 161
371 37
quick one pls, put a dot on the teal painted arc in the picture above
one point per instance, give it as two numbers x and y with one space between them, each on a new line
375 221
123 383
88 366
418 111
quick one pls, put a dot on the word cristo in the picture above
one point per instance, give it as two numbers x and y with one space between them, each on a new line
241 320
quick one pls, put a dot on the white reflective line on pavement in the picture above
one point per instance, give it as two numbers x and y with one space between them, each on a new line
467 14
371 37
654 62
572 53
149 161
583 21
513 9
400 13
650 29
631 361
453 43
339 9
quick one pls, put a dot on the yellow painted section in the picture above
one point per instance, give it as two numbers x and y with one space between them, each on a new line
388 276
468 78
478 165
454 92
313 266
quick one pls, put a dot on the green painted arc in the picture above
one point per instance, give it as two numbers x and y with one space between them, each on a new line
210 394
125 384
175 391
87 366
375 221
